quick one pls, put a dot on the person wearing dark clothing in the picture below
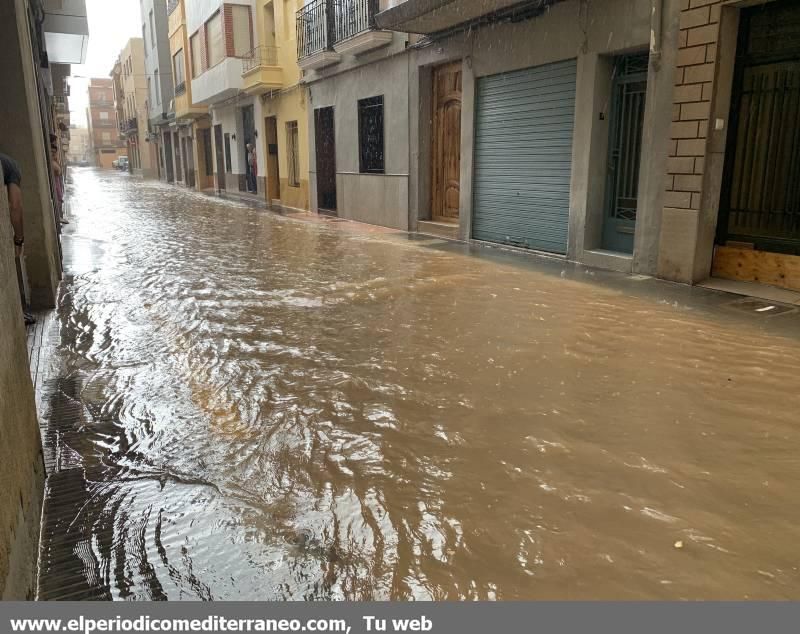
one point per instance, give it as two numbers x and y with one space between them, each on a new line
12 179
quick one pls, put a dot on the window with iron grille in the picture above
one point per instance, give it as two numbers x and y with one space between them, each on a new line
293 158
370 135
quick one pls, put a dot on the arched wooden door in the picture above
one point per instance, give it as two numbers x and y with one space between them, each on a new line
446 182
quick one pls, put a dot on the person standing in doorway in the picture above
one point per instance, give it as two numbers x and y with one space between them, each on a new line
252 172
12 179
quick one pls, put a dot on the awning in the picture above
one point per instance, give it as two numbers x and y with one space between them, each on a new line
434 16
66 30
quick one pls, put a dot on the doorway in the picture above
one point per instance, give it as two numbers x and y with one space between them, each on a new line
273 172
325 142
446 155
168 157
628 94
249 131
188 161
218 150
206 174
177 149
760 203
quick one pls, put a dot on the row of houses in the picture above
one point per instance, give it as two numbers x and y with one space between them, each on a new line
648 136
40 41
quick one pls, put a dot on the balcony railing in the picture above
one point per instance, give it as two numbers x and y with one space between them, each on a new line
315 28
352 17
131 125
323 23
171 6
260 56
180 89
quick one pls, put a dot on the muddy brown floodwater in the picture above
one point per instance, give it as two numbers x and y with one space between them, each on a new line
270 408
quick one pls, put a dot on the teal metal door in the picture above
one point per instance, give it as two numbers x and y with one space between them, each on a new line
524 123
628 94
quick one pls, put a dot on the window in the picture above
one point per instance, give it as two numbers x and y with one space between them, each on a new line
370 135
177 68
197 61
214 41
152 31
241 30
104 115
158 88
292 145
228 153
106 136
144 39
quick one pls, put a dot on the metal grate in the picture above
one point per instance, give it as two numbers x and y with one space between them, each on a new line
314 28
352 17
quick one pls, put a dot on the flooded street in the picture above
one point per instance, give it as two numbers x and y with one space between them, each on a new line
266 407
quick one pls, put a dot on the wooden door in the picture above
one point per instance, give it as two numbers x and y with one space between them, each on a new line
446 156
325 142
273 173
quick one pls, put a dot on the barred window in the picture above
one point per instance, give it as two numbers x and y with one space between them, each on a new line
370 135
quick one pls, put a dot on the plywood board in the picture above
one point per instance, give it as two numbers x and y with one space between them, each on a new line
775 269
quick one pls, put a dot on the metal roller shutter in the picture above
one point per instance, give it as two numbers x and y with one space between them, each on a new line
523 156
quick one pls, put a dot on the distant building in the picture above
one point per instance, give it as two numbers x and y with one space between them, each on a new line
158 70
106 145
80 148
131 108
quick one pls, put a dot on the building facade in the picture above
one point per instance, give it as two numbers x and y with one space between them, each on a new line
639 137
158 71
133 127
79 152
38 43
358 82
191 132
101 120
271 73
732 200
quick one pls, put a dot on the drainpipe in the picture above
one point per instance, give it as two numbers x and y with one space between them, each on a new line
656 19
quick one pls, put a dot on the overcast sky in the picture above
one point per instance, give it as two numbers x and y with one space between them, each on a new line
111 24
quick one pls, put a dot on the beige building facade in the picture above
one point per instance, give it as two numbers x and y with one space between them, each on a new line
142 155
102 124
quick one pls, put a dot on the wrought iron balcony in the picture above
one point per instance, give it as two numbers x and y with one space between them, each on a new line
261 71
131 125
315 32
171 6
328 28
352 17
260 56
180 89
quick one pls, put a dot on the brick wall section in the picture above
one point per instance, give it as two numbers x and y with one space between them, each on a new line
694 86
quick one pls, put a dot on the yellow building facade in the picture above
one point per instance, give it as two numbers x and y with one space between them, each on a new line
271 72
192 131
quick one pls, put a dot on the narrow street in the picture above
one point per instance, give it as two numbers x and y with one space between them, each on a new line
242 405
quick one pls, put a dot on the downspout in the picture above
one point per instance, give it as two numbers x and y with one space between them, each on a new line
656 20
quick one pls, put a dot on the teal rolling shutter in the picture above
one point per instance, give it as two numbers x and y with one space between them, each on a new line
523 156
